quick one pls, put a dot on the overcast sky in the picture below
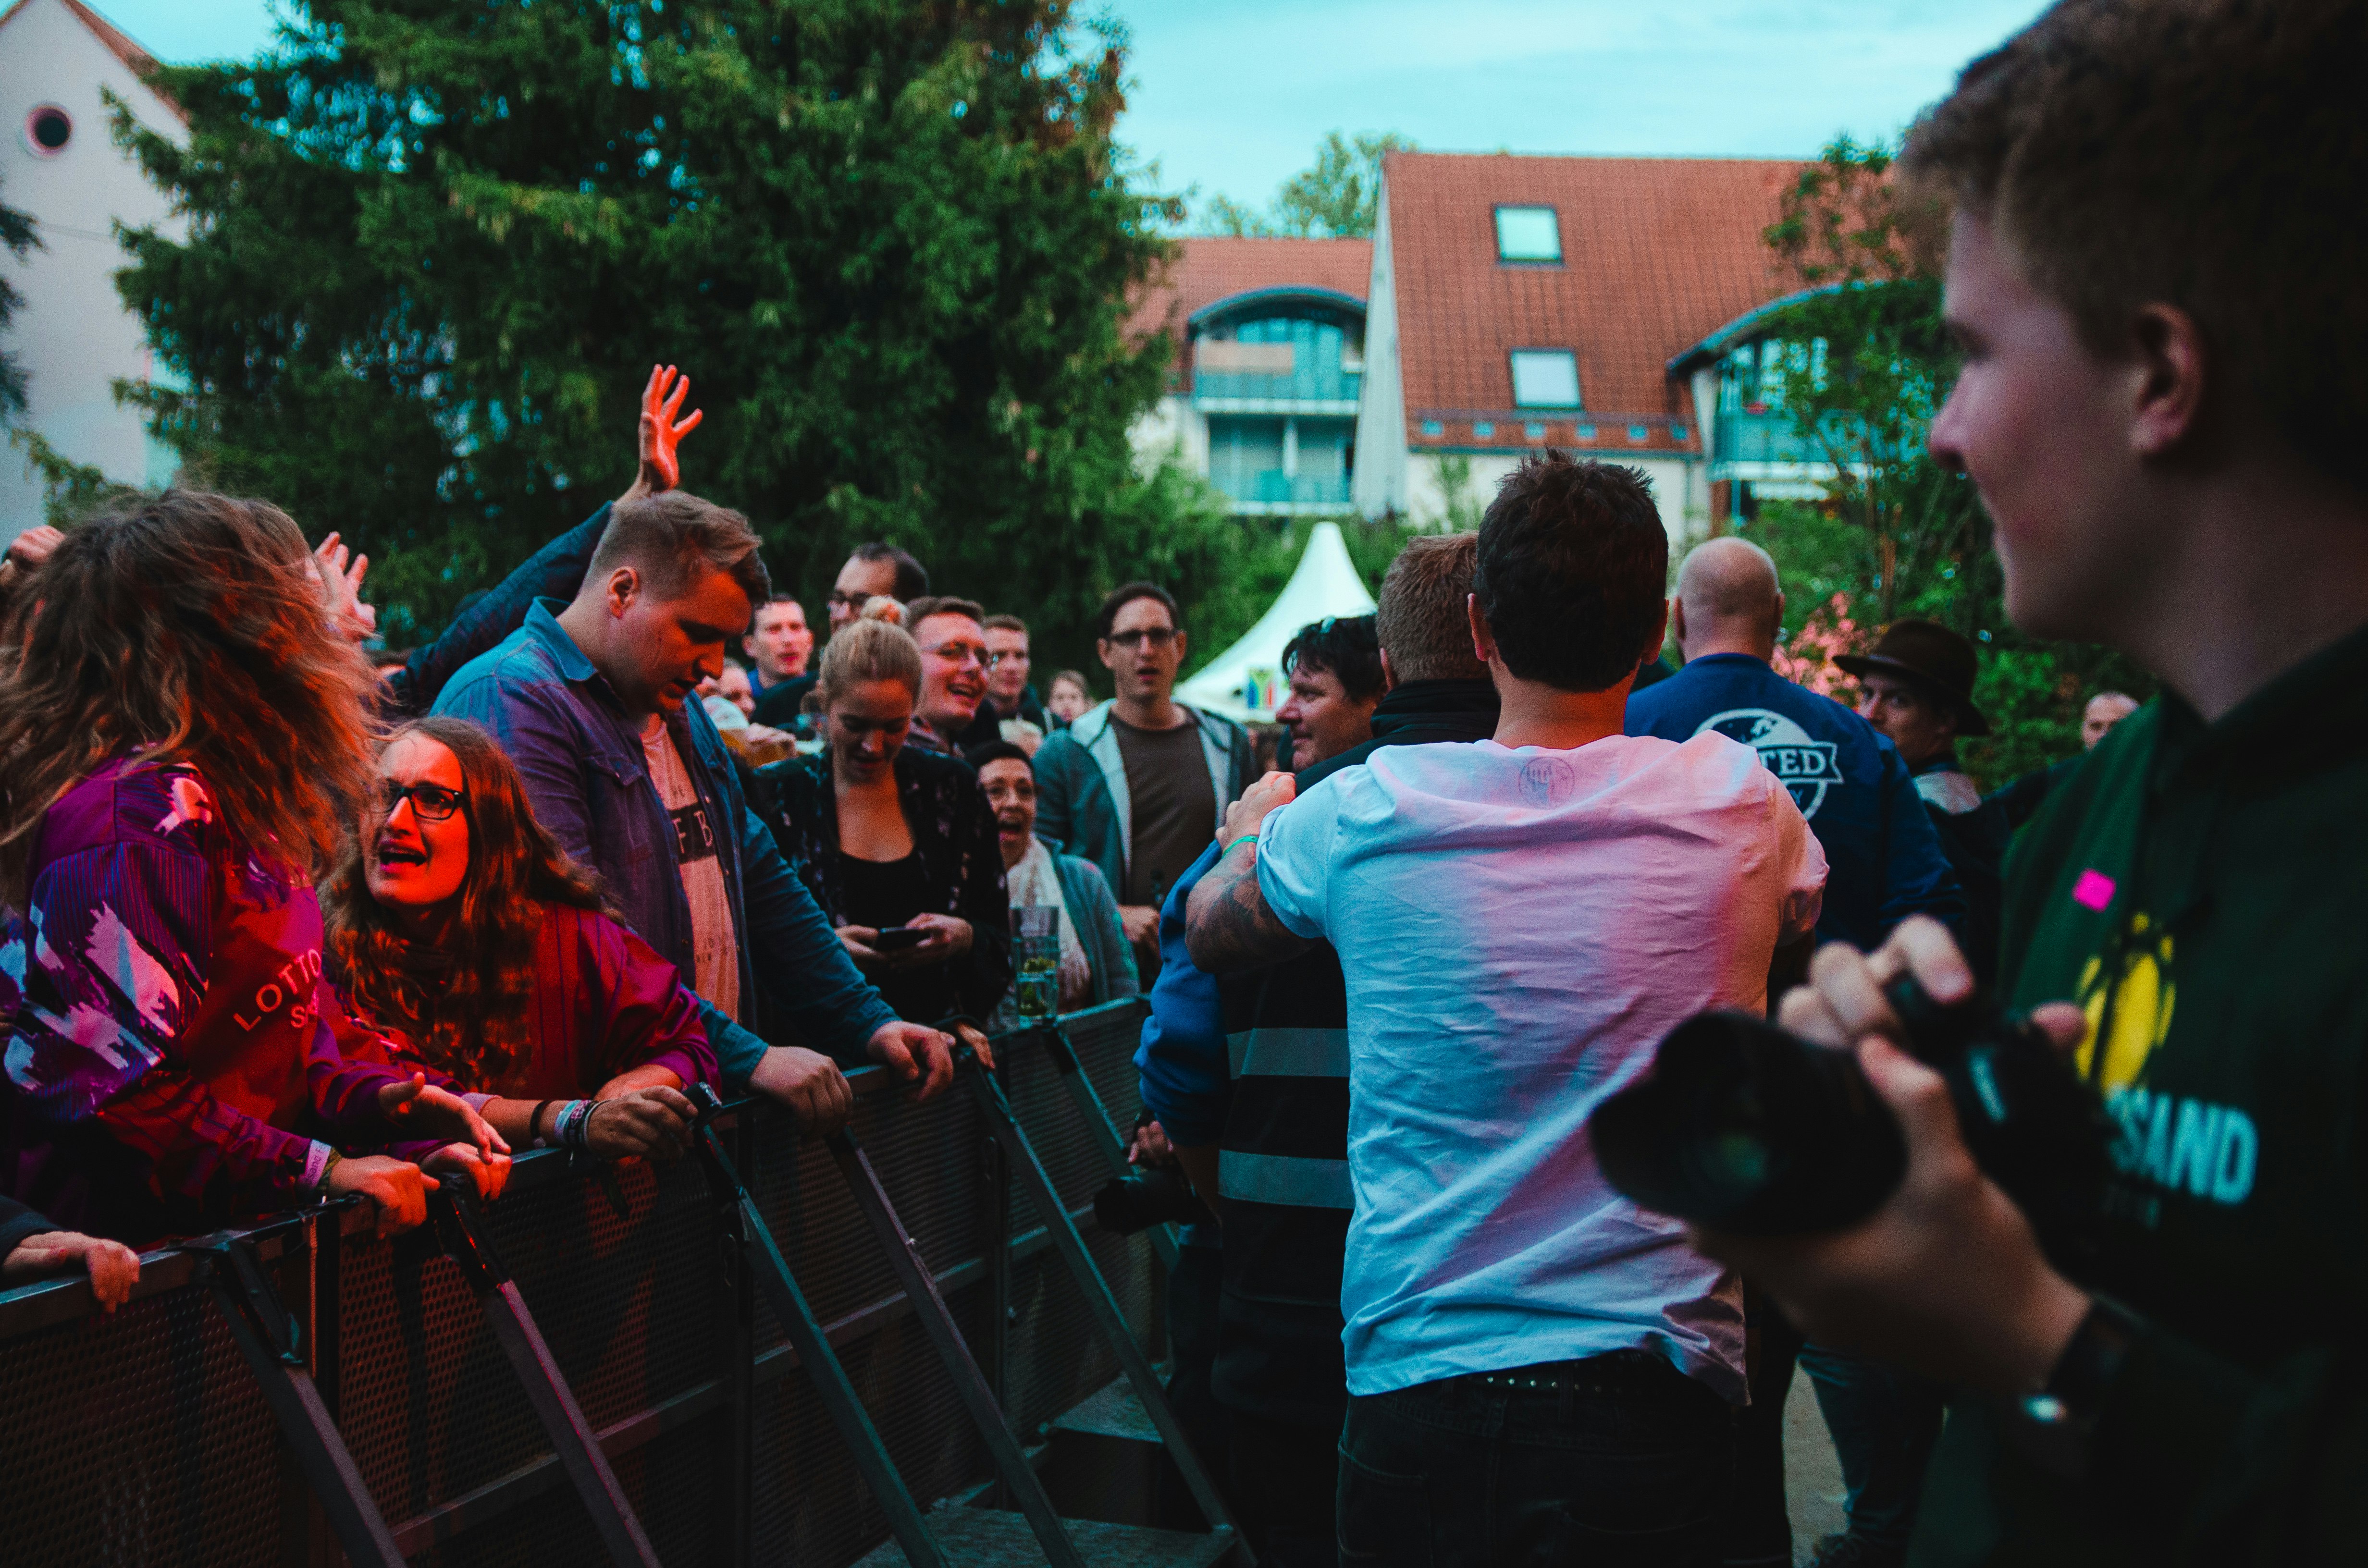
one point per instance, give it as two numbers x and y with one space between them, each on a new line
1231 96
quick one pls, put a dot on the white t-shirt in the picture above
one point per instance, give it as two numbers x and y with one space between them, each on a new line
714 946
1519 929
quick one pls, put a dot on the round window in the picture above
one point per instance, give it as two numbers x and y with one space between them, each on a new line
48 129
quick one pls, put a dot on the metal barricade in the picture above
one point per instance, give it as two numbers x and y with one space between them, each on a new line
144 1437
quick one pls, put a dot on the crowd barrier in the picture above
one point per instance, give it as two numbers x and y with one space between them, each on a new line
145 1437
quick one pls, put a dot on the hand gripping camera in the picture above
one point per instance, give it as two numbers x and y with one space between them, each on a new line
1741 1127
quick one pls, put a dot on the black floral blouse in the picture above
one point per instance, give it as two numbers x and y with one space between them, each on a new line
953 835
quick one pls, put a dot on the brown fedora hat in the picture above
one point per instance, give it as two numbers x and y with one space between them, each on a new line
1931 655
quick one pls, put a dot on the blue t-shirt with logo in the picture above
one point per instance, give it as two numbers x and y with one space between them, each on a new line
1884 857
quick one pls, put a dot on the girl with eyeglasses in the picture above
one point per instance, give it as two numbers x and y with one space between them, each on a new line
182 730
483 953
897 844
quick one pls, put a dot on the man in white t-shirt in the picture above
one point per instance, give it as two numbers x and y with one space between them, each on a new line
1534 1364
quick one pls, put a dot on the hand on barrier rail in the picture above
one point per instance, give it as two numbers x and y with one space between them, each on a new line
648 1123
114 1268
488 1174
419 1110
397 1189
808 1085
919 1054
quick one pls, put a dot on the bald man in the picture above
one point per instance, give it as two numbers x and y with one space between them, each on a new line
1886 863
1885 859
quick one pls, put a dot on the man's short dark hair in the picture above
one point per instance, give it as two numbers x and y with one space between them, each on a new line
1345 647
1572 566
1004 623
1125 594
920 610
669 535
2194 153
1422 621
912 577
986 752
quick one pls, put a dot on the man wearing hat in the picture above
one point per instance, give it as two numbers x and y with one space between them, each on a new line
1917 686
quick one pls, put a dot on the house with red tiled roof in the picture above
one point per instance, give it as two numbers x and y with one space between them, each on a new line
72 334
1270 365
1589 303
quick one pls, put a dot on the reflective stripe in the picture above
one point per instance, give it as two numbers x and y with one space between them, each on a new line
1288 1054
1278 1178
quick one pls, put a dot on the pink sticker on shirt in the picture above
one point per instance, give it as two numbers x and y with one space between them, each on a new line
2093 891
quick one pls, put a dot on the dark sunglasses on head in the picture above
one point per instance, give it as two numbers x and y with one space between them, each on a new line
429 802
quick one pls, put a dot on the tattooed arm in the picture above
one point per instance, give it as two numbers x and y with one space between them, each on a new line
1228 925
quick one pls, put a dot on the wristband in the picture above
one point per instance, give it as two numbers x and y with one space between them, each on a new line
321 1182
1237 843
2058 1425
575 1124
534 1126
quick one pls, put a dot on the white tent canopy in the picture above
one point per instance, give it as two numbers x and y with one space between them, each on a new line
1245 682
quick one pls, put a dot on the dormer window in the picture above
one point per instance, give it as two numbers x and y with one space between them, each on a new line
1528 234
1545 377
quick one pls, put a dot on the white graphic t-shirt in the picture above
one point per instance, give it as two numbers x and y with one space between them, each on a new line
714 946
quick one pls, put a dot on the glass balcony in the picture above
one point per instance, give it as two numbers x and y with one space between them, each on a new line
1278 361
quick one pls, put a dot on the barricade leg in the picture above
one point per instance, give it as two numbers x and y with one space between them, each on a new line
823 1371
953 1352
1107 1315
1101 1128
546 1387
260 1326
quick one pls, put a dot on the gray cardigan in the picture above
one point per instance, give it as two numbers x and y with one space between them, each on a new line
1081 796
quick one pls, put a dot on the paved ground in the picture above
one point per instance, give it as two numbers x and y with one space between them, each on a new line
1812 1476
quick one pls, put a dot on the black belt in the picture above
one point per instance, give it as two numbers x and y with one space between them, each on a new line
1614 1371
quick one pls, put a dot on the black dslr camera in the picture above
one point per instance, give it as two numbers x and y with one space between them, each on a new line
1154 1195
1744 1128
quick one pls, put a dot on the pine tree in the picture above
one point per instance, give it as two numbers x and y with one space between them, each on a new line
435 248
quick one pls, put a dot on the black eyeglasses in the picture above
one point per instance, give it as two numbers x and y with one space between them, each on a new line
964 653
429 802
1151 636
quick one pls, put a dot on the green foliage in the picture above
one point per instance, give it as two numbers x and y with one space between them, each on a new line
69 490
1868 363
1461 507
435 250
18 236
1339 196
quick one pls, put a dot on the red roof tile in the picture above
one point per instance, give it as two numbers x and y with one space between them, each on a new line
1657 252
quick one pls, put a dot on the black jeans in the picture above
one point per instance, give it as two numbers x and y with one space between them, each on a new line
1616 1461
1285 1478
1193 1341
1759 1531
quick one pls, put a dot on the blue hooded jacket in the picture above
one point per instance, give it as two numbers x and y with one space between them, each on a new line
1883 856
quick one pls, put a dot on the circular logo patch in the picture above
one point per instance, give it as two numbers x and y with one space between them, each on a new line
1545 781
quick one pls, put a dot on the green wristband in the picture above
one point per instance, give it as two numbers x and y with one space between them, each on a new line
1237 843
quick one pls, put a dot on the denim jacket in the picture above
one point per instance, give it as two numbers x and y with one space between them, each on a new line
583 766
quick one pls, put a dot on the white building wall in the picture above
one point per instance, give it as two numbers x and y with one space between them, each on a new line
1381 483
1173 427
72 334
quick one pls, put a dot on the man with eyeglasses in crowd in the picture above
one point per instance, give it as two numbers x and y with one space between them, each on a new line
873 570
1139 784
954 664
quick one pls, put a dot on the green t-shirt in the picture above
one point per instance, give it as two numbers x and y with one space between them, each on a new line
2203 891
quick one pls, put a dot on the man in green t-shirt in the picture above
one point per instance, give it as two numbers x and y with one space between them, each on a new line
2156 257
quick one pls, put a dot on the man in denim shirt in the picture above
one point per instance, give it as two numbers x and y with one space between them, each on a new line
587 698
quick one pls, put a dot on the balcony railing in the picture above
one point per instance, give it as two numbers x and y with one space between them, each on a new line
1273 489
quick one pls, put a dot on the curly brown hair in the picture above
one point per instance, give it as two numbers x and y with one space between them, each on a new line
462 1002
186 626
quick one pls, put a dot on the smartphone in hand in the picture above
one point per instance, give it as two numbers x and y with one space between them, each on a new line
896 939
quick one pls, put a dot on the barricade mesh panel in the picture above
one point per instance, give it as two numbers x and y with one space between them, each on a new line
142 1439
139 1440
431 1406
